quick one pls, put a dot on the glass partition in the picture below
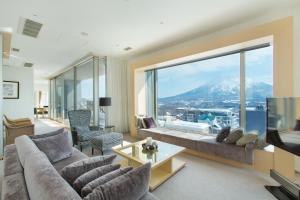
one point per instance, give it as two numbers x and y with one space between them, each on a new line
74 89
85 87
69 92
52 98
59 98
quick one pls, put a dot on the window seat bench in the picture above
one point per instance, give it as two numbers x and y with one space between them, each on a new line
205 145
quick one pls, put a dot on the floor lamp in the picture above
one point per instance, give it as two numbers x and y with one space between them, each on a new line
104 102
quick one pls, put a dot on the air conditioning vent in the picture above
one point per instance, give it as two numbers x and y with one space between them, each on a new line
15 49
28 64
127 48
29 27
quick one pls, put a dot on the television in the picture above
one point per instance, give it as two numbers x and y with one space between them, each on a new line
283 123
283 131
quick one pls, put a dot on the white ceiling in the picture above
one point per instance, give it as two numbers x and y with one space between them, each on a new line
112 25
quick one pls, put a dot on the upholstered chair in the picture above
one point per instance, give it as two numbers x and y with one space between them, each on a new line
82 132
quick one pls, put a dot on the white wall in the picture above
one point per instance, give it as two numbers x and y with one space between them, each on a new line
269 16
22 107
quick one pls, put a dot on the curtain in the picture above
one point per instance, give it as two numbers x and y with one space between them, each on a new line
150 93
117 113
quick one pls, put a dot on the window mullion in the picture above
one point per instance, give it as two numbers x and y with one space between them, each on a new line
242 91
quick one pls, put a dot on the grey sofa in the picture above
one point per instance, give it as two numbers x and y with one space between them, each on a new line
202 143
28 174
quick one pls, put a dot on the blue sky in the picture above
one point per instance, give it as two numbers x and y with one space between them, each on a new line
180 79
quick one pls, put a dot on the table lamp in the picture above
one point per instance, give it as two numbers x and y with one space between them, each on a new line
104 102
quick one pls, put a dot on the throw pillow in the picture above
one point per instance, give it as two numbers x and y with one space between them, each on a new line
71 172
140 122
234 136
88 188
132 185
91 175
61 130
56 147
223 134
247 138
149 122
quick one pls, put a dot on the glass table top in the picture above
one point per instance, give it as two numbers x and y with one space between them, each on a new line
164 152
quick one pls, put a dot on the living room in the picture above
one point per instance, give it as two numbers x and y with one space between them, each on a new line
130 82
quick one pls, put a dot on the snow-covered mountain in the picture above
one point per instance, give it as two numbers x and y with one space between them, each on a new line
224 90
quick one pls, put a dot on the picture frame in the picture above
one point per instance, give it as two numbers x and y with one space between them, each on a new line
11 90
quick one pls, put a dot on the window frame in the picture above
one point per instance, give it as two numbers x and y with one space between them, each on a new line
241 52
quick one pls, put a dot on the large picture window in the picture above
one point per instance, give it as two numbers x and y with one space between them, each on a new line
205 96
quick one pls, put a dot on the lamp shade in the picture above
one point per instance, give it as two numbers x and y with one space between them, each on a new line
105 101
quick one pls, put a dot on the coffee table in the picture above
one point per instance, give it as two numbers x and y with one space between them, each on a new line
163 163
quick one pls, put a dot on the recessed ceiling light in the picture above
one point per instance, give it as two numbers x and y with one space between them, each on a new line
127 48
84 34
35 15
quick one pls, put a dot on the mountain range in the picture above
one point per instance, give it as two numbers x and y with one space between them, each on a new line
224 90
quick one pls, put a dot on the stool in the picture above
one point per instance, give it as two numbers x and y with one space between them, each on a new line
106 141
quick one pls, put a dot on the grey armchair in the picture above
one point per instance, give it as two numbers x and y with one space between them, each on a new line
80 119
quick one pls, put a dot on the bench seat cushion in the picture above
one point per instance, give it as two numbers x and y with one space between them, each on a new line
203 143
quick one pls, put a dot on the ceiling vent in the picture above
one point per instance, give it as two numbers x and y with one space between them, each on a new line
127 48
15 49
29 27
28 64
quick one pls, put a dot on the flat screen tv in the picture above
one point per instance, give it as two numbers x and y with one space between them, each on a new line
283 131
283 123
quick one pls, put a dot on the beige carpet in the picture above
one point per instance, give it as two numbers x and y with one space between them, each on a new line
201 179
